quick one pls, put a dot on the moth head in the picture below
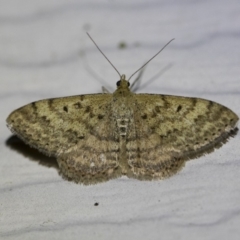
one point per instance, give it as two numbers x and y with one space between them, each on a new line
123 83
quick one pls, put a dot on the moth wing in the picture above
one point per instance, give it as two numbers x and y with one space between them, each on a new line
168 130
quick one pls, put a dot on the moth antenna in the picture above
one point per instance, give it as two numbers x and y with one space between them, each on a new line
151 58
103 54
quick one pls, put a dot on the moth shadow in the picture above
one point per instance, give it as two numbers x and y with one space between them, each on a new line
18 145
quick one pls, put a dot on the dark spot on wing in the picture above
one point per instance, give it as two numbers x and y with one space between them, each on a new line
65 108
34 106
179 108
157 109
82 97
100 116
88 109
77 105
50 102
210 105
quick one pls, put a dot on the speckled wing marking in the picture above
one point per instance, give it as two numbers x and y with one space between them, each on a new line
57 127
54 125
176 129
98 137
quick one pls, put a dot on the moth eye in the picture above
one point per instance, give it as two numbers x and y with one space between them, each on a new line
128 84
118 83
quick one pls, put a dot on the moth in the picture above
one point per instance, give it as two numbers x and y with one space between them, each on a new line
97 137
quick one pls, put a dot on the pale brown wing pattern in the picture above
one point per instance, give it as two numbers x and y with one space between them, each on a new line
54 125
78 130
96 159
169 130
